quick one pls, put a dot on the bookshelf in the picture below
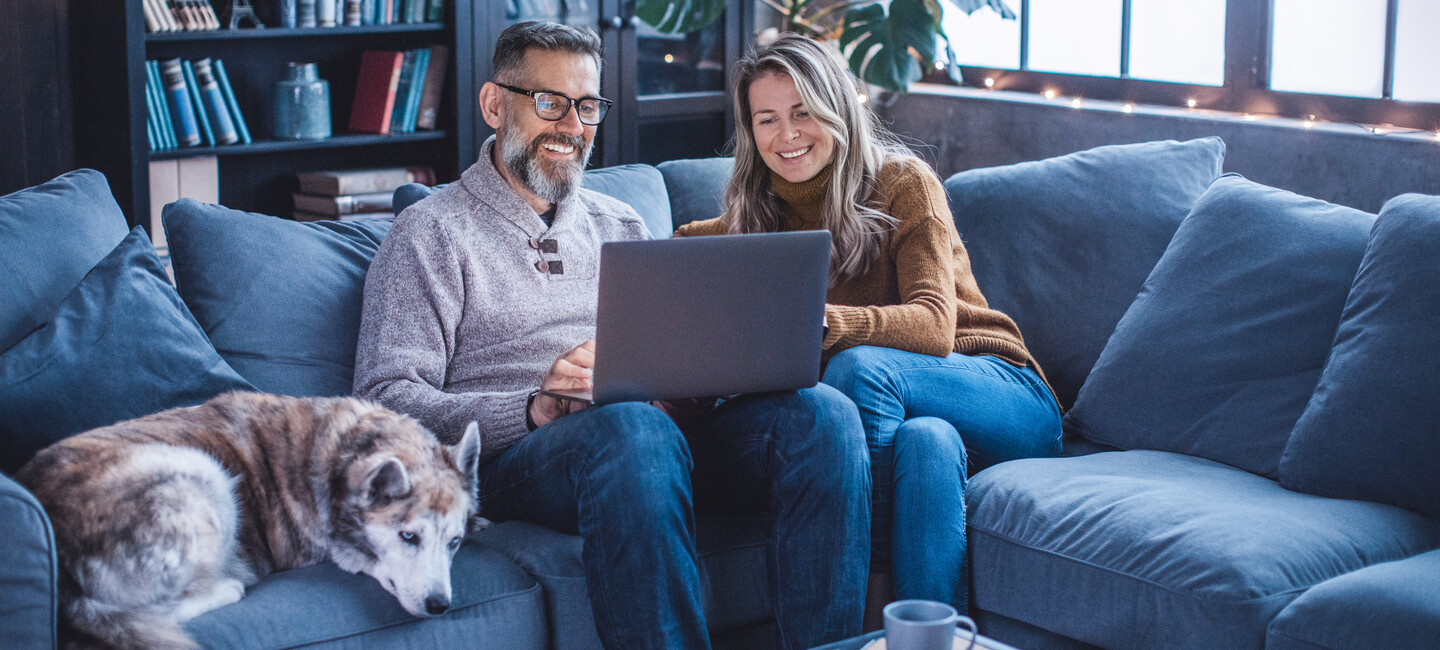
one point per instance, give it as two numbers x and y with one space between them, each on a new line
109 50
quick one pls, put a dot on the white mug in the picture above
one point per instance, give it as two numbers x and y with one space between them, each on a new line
924 625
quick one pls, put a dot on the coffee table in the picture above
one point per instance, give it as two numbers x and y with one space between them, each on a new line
982 642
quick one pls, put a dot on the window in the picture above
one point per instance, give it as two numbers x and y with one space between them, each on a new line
1363 61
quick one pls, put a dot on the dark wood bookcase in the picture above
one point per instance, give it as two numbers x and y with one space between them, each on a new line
110 47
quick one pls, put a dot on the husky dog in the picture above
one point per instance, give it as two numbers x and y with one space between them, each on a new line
165 517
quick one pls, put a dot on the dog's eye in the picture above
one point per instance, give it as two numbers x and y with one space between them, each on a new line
454 543
409 538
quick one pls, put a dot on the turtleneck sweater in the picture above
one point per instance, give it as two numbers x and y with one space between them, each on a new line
918 294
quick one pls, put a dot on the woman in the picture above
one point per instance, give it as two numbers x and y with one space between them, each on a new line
944 384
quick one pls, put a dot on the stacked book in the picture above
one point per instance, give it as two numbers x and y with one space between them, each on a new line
179 15
353 193
191 103
398 92
330 13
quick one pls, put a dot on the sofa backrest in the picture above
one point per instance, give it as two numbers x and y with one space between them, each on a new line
696 187
1063 245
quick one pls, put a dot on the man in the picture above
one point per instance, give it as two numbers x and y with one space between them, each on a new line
485 292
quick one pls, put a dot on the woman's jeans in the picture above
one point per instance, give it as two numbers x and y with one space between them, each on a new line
930 422
627 480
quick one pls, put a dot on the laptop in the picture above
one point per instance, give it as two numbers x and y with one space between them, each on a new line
708 316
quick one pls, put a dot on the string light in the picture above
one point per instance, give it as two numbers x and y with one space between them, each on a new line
989 82
863 98
1308 123
1128 108
1075 103
1049 93
1248 117
1437 136
669 58
939 65
1191 103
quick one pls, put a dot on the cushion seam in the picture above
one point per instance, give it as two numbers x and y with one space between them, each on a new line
351 635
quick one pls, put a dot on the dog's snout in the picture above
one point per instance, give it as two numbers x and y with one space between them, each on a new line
437 605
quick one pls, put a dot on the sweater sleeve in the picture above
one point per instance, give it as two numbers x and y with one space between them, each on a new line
921 251
413 301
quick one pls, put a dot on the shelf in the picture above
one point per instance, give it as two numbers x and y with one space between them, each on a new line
275 146
299 32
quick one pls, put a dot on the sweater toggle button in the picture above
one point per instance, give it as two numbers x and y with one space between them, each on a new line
535 243
542 266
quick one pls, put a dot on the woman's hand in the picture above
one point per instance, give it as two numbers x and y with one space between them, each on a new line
572 371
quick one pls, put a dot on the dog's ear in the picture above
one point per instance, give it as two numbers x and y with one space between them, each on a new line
388 481
466 456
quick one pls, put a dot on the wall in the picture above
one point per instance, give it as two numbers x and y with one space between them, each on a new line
36 118
958 128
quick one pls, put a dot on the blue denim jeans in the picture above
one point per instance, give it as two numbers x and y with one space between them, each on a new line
930 422
627 480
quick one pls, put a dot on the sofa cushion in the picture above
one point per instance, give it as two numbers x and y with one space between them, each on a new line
51 235
639 185
696 187
1062 245
28 569
1180 552
1388 605
493 604
735 589
1220 351
280 299
120 346
1372 428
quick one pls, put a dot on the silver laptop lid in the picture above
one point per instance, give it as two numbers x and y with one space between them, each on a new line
710 316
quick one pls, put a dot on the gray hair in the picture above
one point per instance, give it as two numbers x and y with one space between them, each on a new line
862 147
510 48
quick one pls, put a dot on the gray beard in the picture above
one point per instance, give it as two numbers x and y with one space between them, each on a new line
551 182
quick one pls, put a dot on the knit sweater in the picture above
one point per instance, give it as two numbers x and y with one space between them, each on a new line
919 294
460 323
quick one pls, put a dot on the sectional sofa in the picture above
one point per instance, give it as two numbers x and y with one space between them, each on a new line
1251 380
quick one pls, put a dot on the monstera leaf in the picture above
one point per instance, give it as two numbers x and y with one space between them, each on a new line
679 16
877 44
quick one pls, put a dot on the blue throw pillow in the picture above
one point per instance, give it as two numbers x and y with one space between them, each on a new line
120 346
1222 348
1062 245
639 185
1372 428
696 187
51 235
280 299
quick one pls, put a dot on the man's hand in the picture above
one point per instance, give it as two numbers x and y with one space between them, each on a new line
572 371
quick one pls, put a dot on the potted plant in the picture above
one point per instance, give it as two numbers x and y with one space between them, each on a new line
886 44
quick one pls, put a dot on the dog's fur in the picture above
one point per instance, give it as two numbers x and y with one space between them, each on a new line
163 518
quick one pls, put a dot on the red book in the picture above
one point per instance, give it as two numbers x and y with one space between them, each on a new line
375 91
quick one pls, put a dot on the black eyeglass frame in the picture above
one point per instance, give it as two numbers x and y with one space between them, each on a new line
604 112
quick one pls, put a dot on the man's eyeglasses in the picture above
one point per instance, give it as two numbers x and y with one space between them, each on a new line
553 107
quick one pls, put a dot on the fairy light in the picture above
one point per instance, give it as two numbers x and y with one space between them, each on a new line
1049 93
1191 103
1248 117
669 58
1128 108
1075 103
1437 136
864 98
939 65
1308 123
989 82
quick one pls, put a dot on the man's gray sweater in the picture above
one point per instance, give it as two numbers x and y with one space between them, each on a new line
460 322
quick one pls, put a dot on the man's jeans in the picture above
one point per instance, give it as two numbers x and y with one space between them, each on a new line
929 423
627 480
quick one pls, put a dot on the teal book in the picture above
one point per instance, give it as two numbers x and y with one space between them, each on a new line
152 134
417 86
187 128
402 91
200 116
167 126
435 11
224 81
214 102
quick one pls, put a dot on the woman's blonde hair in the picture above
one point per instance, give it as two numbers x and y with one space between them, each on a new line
862 147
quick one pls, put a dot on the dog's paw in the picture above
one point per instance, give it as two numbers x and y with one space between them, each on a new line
478 523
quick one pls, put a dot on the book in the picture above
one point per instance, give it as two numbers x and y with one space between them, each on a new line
187 128
435 11
183 178
426 112
200 116
362 181
214 101
345 203
375 88
402 91
224 81
412 94
167 125
152 134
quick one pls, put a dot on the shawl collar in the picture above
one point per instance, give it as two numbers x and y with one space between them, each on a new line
485 183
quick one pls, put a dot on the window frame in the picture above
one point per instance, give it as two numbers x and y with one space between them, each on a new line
1246 80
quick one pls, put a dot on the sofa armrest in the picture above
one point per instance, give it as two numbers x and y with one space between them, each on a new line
28 570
